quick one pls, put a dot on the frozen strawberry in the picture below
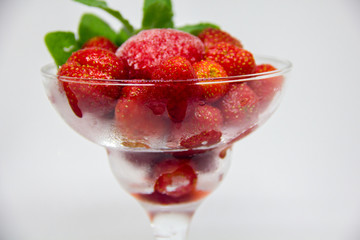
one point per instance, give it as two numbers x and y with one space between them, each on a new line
268 87
102 59
100 42
146 50
177 183
205 90
235 60
136 122
201 127
212 36
240 104
84 92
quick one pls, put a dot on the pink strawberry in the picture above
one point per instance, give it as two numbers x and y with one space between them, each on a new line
240 105
268 87
207 91
84 93
138 123
201 127
178 183
146 50
212 36
235 60
100 42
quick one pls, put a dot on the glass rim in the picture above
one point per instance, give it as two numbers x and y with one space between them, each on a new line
286 67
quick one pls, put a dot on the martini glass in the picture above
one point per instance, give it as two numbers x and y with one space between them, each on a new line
159 150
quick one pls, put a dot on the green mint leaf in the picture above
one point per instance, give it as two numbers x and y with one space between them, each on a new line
103 5
61 45
157 14
121 37
195 29
92 26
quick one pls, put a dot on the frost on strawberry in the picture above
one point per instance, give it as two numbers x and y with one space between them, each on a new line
240 105
201 127
177 183
146 50
137 125
266 88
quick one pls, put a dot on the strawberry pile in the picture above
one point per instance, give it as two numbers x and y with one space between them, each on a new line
161 84
189 103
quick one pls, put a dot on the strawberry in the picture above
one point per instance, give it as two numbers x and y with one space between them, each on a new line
212 36
178 183
266 88
153 97
86 94
235 60
136 122
207 91
240 105
175 68
201 127
143 52
102 59
100 42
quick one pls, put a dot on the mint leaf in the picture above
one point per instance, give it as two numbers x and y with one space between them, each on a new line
61 45
195 29
157 14
92 26
103 5
121 37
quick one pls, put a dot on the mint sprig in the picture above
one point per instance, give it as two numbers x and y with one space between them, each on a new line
157 14
195 29
61 45
92 26
103 5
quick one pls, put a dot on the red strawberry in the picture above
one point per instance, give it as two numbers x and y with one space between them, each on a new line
136 122
100 42
151 96
212 36
266 88
102 59
235 60
240 105
178 183
201 127
175 68
207 91
146 50
85 94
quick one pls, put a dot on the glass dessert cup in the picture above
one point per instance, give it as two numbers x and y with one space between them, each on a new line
168 142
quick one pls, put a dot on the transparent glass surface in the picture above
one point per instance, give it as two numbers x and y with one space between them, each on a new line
168 142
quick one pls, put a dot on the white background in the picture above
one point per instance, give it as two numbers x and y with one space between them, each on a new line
297 177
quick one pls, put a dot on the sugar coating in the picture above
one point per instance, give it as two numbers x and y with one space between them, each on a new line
146 50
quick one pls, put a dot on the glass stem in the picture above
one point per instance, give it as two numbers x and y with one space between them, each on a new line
171 225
